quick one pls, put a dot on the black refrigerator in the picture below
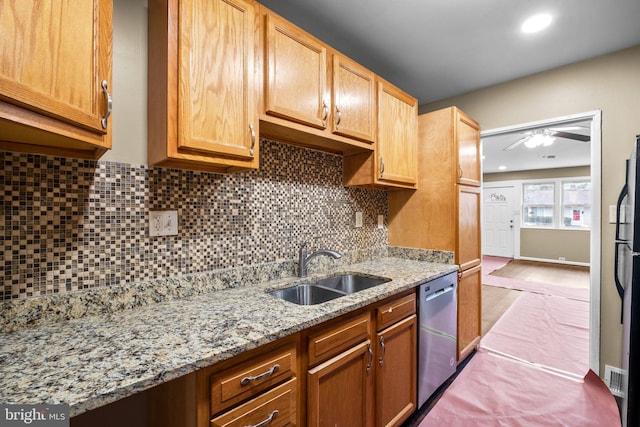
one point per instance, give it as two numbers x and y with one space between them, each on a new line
627 279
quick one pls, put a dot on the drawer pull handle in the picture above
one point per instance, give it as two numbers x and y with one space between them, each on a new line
247 380
390 310
267 420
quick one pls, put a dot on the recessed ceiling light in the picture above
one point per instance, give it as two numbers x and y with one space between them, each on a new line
502 167
536 23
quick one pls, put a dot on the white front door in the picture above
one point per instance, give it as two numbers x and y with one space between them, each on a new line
498 221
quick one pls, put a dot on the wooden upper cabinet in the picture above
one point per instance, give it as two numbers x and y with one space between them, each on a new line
397 136
467 136
312 95
202 84
353 101
296 72
55 76
442 214
394 163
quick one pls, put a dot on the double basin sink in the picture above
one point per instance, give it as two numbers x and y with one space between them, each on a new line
327 289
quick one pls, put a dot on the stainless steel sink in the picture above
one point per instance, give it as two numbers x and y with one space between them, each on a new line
306 294
324 290
350 283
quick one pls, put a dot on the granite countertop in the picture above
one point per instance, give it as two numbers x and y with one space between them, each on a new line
96 360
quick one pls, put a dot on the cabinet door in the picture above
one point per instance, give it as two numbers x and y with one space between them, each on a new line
339 391
397 373
469 311
354 107
468 143
397 136
296 72
56 69
216 109
469 248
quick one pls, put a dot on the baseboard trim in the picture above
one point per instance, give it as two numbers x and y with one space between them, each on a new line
555 261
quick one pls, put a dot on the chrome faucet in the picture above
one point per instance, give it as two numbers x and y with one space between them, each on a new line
303 260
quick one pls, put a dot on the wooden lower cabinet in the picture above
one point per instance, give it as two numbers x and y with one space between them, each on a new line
469 311
339 391
396 373
356 371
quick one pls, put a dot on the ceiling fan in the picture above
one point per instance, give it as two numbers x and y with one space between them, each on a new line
546 137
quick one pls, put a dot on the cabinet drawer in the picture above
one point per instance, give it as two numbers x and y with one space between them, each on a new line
277 405
331 342
241 382
388 314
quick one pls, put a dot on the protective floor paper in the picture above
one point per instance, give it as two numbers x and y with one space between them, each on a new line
546 331
496 392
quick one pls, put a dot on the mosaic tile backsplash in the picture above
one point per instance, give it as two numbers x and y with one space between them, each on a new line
69 224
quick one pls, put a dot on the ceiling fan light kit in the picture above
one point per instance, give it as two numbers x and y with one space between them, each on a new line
539 139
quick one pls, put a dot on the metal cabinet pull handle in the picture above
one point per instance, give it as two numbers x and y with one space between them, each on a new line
339 114
383 350
267 421
253 139
370 358
459 171
381 166
105 90
325 112
247 380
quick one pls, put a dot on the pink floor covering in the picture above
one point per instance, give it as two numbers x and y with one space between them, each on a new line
531 368
496 392
546 331
493 263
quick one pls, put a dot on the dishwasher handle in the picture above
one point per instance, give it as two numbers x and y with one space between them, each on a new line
440 292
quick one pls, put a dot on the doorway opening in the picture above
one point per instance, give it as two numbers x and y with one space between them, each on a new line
527 210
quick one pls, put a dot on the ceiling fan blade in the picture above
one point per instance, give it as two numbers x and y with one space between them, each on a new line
568 128
515 144
570 135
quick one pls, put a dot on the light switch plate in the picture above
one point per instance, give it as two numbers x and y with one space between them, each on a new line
358 219
163 223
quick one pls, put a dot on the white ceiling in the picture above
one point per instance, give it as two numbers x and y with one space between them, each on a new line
434 49
562 153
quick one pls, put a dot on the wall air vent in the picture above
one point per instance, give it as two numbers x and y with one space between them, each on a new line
614 379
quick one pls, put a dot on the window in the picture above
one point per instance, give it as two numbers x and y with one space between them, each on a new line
561 203
538 204
576 204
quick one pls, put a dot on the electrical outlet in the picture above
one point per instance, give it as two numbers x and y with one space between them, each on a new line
358 219
380 221
163 223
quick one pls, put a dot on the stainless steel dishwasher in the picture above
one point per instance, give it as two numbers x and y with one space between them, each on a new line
437 337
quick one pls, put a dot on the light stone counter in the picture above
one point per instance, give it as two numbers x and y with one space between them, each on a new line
95 360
